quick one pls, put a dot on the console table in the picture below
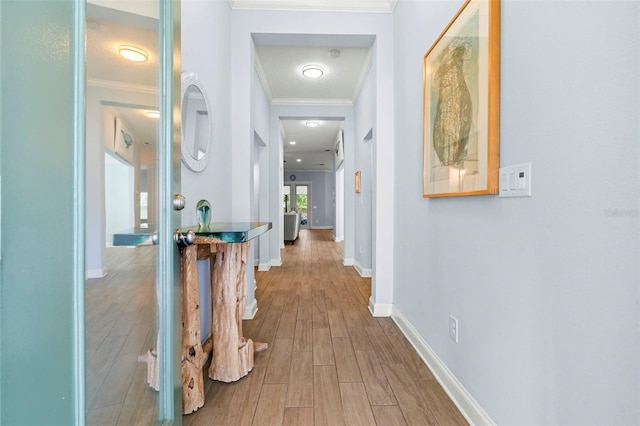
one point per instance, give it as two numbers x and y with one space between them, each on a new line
233 354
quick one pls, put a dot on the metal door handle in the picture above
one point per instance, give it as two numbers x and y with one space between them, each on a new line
178 202
184 240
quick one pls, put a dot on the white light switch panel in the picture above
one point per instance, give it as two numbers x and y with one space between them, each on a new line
515 181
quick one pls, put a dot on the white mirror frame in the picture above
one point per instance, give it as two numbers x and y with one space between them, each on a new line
197 165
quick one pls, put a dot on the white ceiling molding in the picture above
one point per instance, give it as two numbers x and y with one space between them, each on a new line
308 101
373 6
119 85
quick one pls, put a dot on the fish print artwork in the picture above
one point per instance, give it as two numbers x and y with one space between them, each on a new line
454 107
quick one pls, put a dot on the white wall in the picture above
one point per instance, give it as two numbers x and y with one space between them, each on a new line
99 94
545 288
365 120
119 196
260 109
322 189
206 51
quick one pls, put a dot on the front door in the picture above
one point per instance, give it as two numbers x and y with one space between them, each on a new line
43 347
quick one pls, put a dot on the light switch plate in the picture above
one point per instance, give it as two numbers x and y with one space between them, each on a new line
515 181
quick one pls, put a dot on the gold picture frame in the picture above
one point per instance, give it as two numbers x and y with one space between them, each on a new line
357 181
461 133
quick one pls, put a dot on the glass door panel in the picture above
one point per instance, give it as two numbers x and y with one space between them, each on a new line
297 197
286 198
129 371
303 196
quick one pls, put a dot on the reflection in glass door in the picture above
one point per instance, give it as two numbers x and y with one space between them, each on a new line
297 197
126 314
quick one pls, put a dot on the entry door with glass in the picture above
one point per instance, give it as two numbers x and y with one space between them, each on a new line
297 197
130 311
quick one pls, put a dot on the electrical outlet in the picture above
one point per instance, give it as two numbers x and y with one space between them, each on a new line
453 328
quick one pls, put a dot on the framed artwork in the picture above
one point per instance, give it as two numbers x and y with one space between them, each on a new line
357 181
461 134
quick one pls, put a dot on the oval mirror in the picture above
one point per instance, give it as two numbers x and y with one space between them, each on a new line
197 129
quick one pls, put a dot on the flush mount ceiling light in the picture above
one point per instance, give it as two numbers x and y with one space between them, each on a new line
312 123
152 114
133 53
292 143
299 160
312 71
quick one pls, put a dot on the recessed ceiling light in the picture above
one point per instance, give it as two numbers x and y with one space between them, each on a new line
152 114
312 123
292 143
133 53
312 71
299 160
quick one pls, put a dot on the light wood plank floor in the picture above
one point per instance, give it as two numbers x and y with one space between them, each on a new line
329 361
121 312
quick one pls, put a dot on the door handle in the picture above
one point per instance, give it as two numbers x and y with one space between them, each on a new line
183 240
178 202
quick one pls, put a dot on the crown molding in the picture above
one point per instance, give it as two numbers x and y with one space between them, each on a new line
370 6
119 85
311 102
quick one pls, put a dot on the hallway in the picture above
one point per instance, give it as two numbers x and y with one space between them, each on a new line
329 361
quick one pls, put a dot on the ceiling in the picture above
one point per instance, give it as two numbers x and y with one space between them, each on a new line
279 60
313 146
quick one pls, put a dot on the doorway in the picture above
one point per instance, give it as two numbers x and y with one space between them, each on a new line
297 197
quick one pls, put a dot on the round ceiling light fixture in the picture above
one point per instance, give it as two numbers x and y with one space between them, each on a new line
312 123
133 53
152 114
292 142
312 71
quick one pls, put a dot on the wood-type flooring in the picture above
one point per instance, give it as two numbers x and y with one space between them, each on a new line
329 362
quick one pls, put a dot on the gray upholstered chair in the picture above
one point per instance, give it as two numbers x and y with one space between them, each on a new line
291 226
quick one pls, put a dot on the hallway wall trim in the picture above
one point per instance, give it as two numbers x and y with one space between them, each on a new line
250 311
364 272
96 273
380 309
264 267
466 403
276 262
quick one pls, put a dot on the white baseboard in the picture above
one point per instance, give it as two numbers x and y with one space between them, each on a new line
338 240
380 309
364 272
96 273
322 227
276 262
347 262
263 267
250 311
468 406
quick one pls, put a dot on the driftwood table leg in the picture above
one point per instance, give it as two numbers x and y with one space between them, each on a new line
232 353
193 357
